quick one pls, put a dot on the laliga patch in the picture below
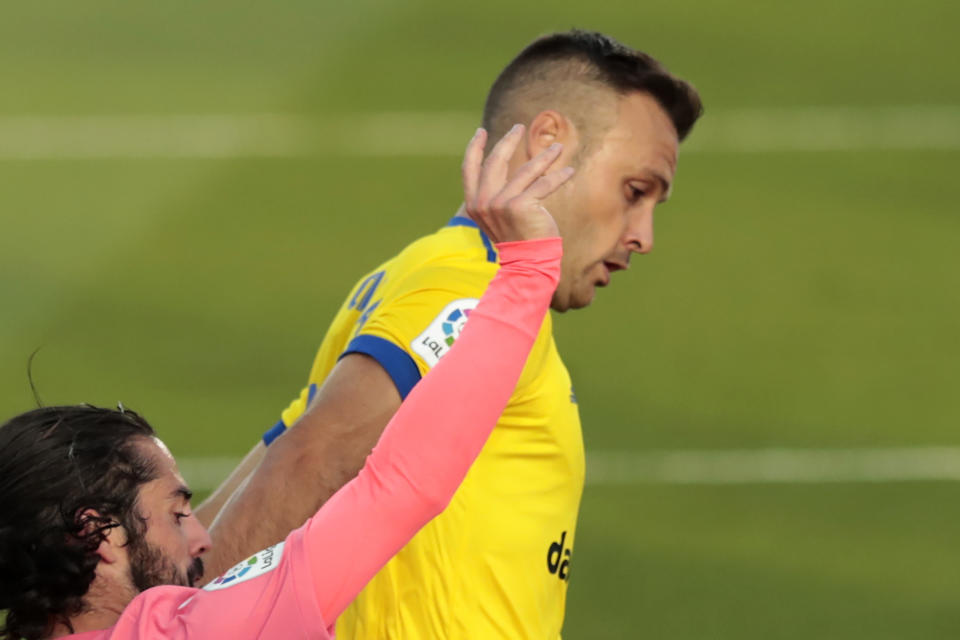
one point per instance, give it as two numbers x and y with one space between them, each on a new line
256 565
439 336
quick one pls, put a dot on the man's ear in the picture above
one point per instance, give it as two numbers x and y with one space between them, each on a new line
549 127
114 536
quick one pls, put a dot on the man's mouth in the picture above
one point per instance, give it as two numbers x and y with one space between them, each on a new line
195 571
609 267
604 277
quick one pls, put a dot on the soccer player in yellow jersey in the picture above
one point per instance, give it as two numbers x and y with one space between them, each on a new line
497 562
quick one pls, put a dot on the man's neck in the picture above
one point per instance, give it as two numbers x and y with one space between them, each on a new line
103 607
87 621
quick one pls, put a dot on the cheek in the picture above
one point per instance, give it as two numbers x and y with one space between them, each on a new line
576 211
564 205
603 229
610 212
170 538
601 207
590 220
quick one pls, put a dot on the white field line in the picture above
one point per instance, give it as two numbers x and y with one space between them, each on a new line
409 134
723 467
769 466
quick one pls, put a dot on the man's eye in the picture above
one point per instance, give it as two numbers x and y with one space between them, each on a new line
635 193
180 516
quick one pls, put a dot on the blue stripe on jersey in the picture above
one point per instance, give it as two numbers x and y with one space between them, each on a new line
395 361
277 430
274 432
460 221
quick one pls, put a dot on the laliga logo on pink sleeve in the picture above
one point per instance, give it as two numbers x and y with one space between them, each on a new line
238 571
254 566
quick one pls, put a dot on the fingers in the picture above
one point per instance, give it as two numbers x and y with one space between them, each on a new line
511 210
547 184
495 168
531 171
472 165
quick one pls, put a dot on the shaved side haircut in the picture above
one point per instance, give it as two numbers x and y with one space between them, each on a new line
570 72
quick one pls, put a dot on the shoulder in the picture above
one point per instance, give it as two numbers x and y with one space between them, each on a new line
154 609
459 244
456 260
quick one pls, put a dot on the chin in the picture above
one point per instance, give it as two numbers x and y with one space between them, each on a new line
580 304
565 299
559 302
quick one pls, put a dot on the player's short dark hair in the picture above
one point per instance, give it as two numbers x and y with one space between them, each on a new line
57 466
594 58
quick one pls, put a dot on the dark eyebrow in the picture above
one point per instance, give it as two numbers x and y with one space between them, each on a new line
182 492
664 186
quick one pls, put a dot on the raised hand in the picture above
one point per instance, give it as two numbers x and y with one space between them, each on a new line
513 210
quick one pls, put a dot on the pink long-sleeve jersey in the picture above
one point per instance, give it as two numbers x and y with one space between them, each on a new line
296 589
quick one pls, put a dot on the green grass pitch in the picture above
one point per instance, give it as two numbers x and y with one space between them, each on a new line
803 299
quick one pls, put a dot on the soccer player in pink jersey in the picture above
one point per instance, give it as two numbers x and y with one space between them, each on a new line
97 539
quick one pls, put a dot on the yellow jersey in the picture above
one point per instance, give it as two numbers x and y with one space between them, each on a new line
496 563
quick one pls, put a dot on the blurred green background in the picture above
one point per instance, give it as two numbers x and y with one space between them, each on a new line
188 190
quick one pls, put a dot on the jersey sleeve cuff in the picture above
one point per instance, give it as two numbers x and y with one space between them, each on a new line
395 361
274 432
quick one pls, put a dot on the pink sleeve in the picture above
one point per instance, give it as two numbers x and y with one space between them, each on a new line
427 448
298 588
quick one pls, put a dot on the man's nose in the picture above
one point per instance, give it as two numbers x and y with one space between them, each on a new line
639 237
199 538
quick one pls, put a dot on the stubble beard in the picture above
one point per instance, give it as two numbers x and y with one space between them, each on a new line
149 568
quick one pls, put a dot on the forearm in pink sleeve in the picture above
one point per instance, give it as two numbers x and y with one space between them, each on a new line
428 447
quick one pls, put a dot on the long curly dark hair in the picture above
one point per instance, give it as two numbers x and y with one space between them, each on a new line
67 476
